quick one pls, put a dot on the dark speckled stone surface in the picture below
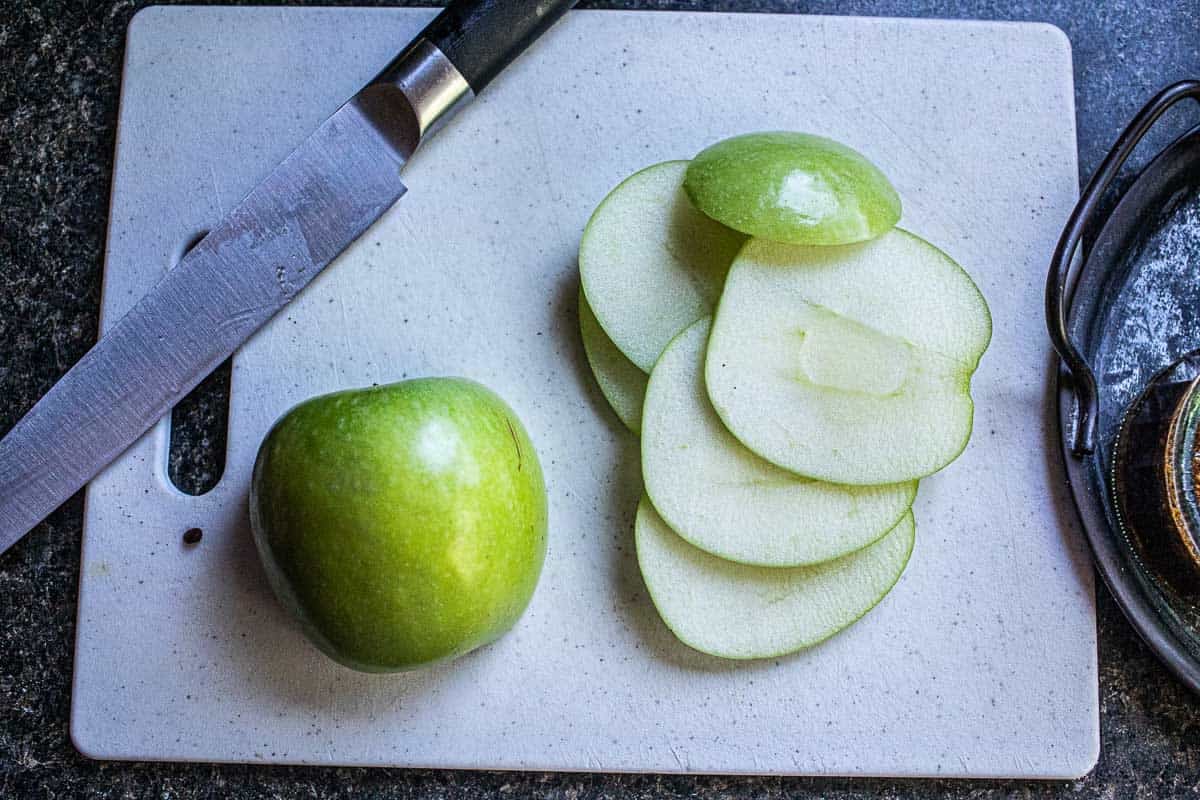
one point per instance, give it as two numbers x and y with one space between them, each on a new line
59 81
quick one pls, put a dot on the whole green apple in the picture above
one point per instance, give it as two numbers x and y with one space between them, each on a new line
402 524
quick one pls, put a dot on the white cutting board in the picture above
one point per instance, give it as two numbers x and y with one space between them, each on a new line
982 662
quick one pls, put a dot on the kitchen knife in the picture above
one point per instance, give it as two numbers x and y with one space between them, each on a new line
287 229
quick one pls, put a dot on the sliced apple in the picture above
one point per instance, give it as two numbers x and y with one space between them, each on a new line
727 501
737 611
621 382
793 187
651 264
849 364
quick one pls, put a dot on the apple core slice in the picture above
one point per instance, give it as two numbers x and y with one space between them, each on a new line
849 364
621 382
793 187
737 611
727 501
651 264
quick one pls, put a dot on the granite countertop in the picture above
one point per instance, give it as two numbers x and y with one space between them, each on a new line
59 83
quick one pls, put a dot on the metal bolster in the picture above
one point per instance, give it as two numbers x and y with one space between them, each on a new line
432 84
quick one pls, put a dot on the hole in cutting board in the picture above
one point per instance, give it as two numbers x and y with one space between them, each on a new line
200 425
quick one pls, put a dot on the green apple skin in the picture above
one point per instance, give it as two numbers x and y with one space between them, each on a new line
403 525
792 187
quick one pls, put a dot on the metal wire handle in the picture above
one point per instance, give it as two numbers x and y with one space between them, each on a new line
1083 380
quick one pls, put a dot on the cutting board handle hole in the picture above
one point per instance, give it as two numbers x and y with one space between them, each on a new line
199 434
200 425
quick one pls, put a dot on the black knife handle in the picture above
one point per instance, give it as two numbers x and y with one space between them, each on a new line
482 37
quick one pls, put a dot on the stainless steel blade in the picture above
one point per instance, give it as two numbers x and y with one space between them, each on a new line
293 224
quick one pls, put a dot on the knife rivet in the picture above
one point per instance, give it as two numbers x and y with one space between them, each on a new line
192 536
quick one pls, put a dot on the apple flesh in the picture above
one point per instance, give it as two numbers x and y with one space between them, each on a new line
734 610
651 264
727 501
848 364
792 187
621 382
403 525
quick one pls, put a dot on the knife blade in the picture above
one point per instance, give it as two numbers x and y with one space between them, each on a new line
308 210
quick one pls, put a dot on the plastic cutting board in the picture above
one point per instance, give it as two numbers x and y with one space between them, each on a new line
982 662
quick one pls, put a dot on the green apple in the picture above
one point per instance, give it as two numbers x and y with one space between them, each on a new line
735 610
848 364
403 524
792 187
727 501
621 382
650 264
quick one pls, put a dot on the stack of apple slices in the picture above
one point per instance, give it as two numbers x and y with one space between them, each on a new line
794 364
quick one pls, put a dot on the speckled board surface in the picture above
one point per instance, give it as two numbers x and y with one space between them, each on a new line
981 663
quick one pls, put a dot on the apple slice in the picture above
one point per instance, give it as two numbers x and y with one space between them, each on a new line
725 500
621 382
793 187
849 364
738 611
651 264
